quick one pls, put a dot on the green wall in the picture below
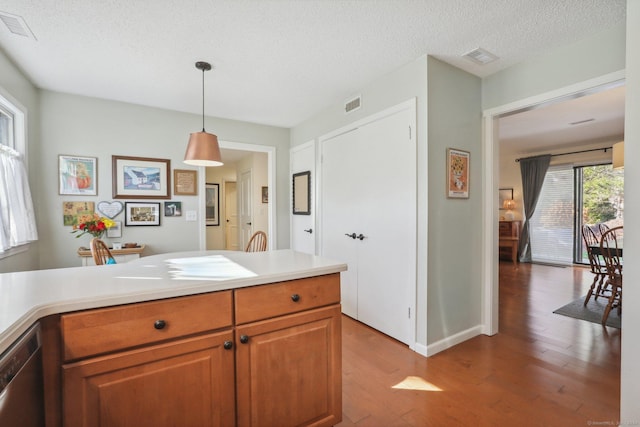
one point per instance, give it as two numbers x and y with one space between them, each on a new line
455 225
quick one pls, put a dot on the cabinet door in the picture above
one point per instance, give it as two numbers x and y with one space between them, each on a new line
288 370
183 383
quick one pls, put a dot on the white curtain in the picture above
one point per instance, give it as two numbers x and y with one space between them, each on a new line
17 218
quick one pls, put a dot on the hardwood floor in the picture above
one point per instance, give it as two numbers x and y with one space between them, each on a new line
541 369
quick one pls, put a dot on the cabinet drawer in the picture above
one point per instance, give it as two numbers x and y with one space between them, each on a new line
263 302
505 229
98 331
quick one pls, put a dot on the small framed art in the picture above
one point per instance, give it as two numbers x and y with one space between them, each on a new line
458 163
212 204
141 213
77 175
185 182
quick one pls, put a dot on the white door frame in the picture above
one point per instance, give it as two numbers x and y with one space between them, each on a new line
272 231
491 180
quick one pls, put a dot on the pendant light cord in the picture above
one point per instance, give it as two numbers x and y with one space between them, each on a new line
203 100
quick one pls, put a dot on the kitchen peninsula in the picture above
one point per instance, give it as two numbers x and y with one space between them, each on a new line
193 338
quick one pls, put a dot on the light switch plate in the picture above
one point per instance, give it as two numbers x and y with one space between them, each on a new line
192 215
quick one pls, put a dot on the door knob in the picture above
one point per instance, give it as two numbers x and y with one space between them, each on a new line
361 236
309 231
352 235
248 223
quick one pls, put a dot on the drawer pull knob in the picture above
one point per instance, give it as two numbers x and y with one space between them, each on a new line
295 297
228 345
244 339
159 324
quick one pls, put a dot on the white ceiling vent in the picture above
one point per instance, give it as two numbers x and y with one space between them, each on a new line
17 25
353 104
480 56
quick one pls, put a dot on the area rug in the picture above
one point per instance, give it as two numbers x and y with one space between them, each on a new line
591 313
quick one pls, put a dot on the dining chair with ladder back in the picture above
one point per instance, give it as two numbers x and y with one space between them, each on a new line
257 242
101 253
611 249
591 235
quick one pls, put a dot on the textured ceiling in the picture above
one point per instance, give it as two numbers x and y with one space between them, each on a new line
276 62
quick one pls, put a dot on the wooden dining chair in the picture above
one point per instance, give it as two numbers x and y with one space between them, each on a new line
101 253
611 249
591 235
257 242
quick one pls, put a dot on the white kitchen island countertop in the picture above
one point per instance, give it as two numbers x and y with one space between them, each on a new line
26 297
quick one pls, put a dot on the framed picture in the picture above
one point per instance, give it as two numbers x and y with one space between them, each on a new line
301 192
212 204
77 175
172 209
265 194
185 182
73 213
141 178
142 213
116 230
458 165
504 194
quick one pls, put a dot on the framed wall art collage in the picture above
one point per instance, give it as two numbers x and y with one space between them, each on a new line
141 191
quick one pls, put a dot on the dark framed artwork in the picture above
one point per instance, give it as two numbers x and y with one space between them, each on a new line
212 204
172 209
301 193
140 178
141 213
504 194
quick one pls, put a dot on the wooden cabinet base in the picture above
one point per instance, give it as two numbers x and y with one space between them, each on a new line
296 358
187 383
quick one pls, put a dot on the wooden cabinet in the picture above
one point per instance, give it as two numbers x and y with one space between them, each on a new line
186 361
509 237
296 358
186 383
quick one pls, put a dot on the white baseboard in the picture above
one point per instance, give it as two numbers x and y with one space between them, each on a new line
449 342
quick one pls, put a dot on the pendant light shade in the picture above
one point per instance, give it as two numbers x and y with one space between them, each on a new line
203 148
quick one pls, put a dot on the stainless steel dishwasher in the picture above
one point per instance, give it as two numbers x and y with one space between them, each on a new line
21 387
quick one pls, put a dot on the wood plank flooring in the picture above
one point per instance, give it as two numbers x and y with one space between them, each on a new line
541 369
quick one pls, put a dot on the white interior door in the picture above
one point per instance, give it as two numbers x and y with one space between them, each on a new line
303 231
245 208
340 212
369 188
387 202
231 216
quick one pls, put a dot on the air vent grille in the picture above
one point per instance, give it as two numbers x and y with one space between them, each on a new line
17 25
480 56
353 104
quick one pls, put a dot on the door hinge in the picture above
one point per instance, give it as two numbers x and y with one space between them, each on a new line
409 312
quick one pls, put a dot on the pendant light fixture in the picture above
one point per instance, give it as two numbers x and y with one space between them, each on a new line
203 148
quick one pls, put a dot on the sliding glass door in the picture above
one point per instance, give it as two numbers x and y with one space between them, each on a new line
600 197
570 197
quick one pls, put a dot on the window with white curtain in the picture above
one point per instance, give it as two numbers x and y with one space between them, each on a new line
17 217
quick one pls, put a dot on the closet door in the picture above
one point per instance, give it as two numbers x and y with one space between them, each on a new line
340 212
387 205
369 188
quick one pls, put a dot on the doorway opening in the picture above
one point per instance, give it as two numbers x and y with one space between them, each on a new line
239 157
